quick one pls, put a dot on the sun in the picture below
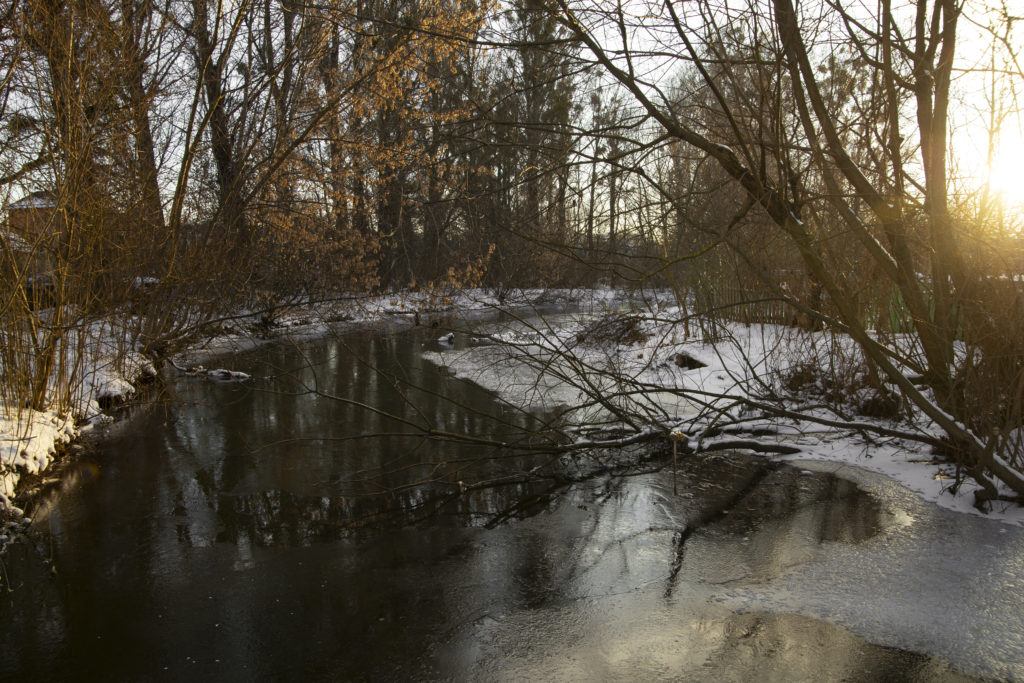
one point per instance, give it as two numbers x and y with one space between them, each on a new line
1005 177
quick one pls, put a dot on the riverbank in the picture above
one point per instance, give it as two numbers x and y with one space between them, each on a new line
246 530
655 352
32 441
654 364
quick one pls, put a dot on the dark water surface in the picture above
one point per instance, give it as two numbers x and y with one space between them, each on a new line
244 532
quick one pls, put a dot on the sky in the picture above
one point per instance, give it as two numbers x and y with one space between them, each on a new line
986 66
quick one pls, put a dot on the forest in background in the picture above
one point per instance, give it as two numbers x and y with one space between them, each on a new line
791 164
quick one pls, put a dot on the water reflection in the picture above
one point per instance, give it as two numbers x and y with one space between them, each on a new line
242 532
781 523
327 442
710 645
283 518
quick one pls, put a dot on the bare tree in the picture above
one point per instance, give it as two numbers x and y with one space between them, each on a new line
856 186
182 144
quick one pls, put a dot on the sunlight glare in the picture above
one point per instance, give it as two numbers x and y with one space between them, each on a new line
1006 173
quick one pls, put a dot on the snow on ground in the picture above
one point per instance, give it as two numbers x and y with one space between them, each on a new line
106 374
100 368
550 355
302 318
548 362
27 444
460 302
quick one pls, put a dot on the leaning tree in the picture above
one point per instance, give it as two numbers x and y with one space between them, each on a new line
833 121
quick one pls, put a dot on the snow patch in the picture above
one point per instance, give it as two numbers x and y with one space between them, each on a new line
540 363
28 444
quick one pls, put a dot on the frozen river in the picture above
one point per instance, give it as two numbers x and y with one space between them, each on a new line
247 532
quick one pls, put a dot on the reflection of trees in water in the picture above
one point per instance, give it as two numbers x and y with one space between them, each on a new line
746 645
777 523
241 471
281 518
303 458
819 508
737 518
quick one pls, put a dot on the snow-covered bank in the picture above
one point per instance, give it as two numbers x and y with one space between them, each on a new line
28 444
670 375
247 328
106 373
661 368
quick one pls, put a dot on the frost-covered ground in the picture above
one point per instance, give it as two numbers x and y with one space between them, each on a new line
563 362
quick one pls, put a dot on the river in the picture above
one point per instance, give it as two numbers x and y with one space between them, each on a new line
248 531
